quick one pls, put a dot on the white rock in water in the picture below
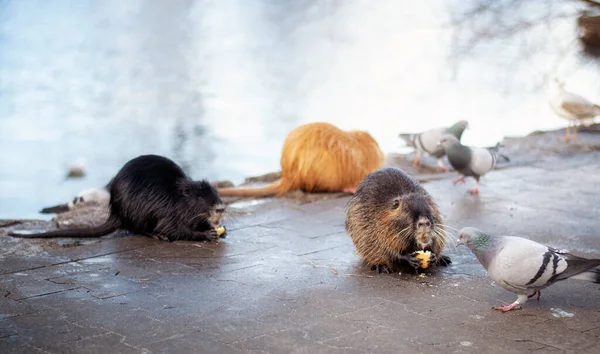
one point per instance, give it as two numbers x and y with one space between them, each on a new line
76 169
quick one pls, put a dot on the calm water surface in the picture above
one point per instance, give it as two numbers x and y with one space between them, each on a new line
216 85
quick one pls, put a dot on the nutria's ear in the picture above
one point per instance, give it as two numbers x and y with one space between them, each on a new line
184 188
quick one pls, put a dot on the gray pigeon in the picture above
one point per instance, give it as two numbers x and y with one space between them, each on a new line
427 141
469 161
523 266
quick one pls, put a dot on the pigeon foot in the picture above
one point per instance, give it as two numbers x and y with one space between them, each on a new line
566 139
474 191
513 306
417 161
442 166
349 190
460 179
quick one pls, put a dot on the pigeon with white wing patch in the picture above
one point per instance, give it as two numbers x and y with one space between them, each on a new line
523 266
427 141
469 161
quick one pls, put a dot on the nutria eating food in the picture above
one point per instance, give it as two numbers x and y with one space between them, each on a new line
151 195
390 218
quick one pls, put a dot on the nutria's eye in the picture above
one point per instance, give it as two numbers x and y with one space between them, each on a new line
396 204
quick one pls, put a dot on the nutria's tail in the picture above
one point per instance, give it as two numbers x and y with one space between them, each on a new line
275 188
96 231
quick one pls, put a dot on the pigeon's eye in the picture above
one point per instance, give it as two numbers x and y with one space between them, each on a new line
461 236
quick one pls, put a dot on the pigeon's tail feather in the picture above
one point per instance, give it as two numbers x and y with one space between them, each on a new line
577 266
504 157
592 275
408 138
496 151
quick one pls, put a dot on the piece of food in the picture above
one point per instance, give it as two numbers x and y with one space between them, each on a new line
220 230
423 257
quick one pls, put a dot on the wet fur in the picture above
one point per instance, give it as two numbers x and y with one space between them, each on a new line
151 195
380 232
319 157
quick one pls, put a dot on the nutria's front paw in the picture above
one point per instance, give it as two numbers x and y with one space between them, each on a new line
432 259
412 260
212 235
445 261
222 231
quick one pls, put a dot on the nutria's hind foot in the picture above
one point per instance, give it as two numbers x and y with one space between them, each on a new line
381 268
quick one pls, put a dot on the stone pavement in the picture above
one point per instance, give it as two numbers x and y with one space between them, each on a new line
287 280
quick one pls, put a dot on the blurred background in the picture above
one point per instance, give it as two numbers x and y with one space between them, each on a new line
217 85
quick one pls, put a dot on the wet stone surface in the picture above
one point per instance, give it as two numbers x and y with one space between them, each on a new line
287 280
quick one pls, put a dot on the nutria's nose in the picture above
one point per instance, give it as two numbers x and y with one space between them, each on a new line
423 223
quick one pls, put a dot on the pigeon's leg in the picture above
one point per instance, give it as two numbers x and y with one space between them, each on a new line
417 161
475 190
539 293
351 190
521 299
442 166
567 136
460 179
574 136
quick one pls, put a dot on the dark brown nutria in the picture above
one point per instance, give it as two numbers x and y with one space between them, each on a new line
151 195
390 218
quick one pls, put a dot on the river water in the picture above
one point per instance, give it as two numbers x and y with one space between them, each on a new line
217 85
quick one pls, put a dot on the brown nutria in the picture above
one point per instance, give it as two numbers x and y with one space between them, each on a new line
390 218
151 195
319 157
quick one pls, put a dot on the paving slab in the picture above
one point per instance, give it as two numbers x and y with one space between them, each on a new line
287 278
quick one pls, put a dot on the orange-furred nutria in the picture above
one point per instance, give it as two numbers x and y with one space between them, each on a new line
319 157
390 218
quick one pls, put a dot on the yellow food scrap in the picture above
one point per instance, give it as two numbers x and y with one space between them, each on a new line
220 230
423 257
